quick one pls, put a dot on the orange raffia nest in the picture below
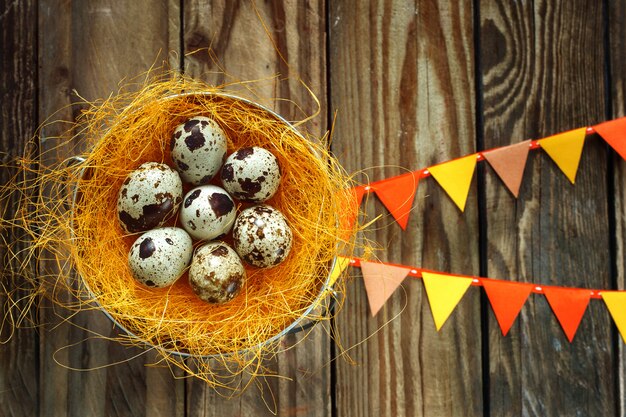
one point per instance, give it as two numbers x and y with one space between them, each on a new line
129 129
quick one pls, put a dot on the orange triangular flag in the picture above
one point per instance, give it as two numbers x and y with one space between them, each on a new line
397 194
509 163
455 177
340 265
507 299
381 280
616 303
350 214
444 293
614 133
568 305
565 150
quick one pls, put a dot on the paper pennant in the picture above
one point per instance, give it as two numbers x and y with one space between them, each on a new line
507 299
340 265
565 150
381 281
444 293
509 163
397 194
614 133
569 305
351 213
455 178
616 303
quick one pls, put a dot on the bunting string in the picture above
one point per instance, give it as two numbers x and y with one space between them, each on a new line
444 291
455 175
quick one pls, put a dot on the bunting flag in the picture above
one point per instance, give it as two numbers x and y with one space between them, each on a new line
616 303
340 265
614 133
509 163
352 212
455 177
565 150
397 194
507 299
444 293
381 281
568 305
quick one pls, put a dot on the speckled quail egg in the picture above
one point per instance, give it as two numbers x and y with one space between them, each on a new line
262 236
216 274
149 196
159 256
208 212
251 174
198 148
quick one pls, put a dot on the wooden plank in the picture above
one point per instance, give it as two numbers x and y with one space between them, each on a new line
234 31
19 379
402 78
92 47
617 43
542 72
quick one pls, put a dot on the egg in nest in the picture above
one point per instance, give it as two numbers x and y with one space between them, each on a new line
216 274
198 148
262 236
149 196
160 256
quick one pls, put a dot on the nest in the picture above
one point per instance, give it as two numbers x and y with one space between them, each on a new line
129 129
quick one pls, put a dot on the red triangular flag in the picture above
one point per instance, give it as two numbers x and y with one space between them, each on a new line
614 133
507 299
397 194
569 305
509 163
381 280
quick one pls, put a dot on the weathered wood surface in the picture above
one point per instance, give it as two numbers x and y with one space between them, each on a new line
536 82
402 79
414 83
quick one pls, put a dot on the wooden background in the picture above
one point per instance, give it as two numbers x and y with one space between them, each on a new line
413 83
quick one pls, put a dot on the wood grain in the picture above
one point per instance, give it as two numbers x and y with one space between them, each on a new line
616 12
92 47
277 43
19 379
542 73
402 77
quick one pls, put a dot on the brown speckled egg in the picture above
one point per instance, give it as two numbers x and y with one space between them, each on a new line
149 196
198 149
159 256
262 236
251 174
216 274
208 212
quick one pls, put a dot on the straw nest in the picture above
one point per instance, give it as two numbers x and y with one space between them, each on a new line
128 129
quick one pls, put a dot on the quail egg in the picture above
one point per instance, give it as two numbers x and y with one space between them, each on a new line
149 196
251 174
198 149
216 274
207 212
159 256
262 236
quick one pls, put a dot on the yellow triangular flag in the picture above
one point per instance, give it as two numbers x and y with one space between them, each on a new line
455 177
444 293
340 265
565 150
616 303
